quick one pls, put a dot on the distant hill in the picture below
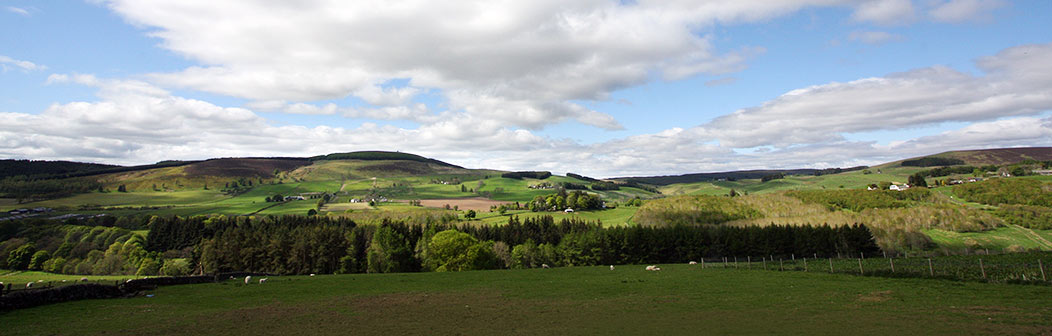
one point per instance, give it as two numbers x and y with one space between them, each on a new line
244 167
381 156
708 177
48 169
980 157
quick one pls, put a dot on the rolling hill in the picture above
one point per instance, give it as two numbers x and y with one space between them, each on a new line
996 156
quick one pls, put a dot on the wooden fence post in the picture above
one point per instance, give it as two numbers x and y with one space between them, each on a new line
702 262
749 260
892 261
724 262
765 263
931 270
1042 267
793 256
735 262
885 253
780 268
981 268
805 264
830 265
860 270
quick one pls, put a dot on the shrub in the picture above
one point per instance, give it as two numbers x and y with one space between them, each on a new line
452 250
37 262
19 258
175 267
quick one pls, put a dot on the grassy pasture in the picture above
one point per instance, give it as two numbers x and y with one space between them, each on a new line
849 180
680 299
20 278
995 239
610 217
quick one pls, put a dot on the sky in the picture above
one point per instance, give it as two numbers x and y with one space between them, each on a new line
595 87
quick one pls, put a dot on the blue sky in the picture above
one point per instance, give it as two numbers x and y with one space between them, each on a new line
594 87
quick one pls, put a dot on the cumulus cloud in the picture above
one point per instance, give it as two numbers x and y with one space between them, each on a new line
134 122
964 10
1017 82
7 62
518 62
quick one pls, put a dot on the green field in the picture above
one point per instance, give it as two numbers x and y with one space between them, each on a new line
680 299
848 180
20 278
996 239
610 217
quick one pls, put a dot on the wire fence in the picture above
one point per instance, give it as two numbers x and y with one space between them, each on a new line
1017 268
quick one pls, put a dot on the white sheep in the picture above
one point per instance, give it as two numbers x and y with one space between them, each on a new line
261 281
650 267
40 281
657 268
693 263
84 279
611 267
247 279
545 266
63 280
29 285
312 274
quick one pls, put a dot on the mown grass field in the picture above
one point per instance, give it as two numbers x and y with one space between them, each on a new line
996 239
20 278
680 299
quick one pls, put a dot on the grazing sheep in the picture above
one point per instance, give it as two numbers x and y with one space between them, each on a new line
545 266
693 262
611 267
312 274
261 281
40 281
657 268
63 280
650 268
247 279
84 279
29 285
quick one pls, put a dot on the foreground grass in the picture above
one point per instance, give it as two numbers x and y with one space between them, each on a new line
681 299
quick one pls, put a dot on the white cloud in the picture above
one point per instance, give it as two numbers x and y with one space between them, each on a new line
24 65
885 12
964 10
133 122
1018 82
513 61
19 11
1028 131
874 37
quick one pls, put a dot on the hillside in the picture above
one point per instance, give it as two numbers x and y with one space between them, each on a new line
381 156
996 156
48 169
